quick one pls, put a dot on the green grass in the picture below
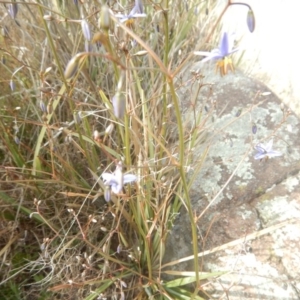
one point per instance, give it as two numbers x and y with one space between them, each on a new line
52 158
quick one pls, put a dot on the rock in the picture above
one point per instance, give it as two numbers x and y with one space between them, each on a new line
271 50
242 216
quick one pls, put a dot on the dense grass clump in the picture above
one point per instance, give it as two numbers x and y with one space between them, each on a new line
85 91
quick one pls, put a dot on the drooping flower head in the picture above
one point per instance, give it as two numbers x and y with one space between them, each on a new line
250 20
221 54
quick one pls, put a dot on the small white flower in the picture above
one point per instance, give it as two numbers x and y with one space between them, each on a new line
117 179
265 151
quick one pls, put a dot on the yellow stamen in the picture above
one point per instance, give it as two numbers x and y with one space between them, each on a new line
223 65
129 23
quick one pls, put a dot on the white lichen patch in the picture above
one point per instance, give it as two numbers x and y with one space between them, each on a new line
277 210
290 183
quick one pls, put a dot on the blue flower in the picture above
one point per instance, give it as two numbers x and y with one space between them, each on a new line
265 151
136 12
221 54
116 180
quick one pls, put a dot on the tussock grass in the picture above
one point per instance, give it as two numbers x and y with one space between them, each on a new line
59 237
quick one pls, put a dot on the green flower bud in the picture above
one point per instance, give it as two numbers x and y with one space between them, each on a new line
104 17
72 66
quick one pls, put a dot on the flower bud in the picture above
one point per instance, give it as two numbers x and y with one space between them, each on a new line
43 106
104 17
238 113
86 30
119 104
17 140
250 20
119 248
109 129
13 10
254 128
77 117
48 18
107 193
96 135
12 85
72 66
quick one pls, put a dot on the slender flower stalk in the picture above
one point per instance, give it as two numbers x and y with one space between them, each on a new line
266 151
221 54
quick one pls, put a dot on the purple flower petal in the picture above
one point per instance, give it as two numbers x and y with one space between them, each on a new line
109 179
115 182
224 46
225 49
266 151
128 178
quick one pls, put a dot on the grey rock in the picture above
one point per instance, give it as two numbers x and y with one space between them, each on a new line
259 196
